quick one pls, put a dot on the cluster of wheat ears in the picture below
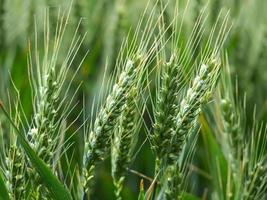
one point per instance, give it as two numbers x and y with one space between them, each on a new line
157 74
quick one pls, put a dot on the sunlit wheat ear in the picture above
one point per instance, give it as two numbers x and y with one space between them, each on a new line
185 104
134 57
49 87
176 74
97 146
185 124
99 139
50 90
190 105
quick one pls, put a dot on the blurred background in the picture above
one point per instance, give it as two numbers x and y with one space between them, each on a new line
106 23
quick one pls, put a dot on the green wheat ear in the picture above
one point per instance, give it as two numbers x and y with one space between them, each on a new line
190 106
37 161
14 160
243 146
56 189
166 100
15 173
124 139
190 76
48 79
100 137
134 57
98 145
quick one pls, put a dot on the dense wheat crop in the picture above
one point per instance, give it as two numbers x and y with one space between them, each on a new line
123 99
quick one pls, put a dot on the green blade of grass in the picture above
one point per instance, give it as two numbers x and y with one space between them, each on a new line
55 187
216 161
188 196
3 190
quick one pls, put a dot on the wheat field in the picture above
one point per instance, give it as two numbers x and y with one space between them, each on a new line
124 99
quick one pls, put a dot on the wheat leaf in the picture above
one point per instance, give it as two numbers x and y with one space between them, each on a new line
3 190
57 189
